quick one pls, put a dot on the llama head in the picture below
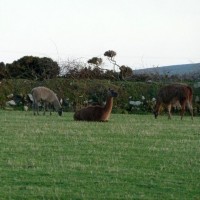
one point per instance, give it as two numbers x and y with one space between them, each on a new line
60 111
112 93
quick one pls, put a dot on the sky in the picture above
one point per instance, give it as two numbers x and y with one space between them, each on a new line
143 33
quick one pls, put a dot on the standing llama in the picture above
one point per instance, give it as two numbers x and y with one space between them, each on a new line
47 96
174 94
97 113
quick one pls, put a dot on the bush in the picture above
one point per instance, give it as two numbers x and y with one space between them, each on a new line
78 93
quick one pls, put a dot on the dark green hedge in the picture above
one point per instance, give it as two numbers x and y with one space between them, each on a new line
78 92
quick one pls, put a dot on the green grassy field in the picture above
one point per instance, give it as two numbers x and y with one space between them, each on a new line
130 157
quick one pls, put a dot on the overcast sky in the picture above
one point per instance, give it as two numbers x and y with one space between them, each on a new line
144 33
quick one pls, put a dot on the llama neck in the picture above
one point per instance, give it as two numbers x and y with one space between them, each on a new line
109 104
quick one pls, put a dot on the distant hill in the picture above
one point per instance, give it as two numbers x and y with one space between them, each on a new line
172 69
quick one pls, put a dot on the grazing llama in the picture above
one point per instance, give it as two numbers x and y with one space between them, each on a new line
174 94
47 96
97 113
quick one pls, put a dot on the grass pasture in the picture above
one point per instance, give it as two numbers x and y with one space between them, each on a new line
130 157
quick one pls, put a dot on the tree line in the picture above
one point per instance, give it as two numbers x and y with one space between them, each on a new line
36 68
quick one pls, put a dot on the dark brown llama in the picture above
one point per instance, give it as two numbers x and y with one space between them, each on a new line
97 113
172 95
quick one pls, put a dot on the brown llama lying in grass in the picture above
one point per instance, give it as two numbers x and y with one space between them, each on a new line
173 94
47 96
97 113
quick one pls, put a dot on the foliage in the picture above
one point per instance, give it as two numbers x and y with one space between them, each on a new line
6 88
3 73
35 68
125 72
29 67
130 157
78 70
78 93
96 61
110 54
